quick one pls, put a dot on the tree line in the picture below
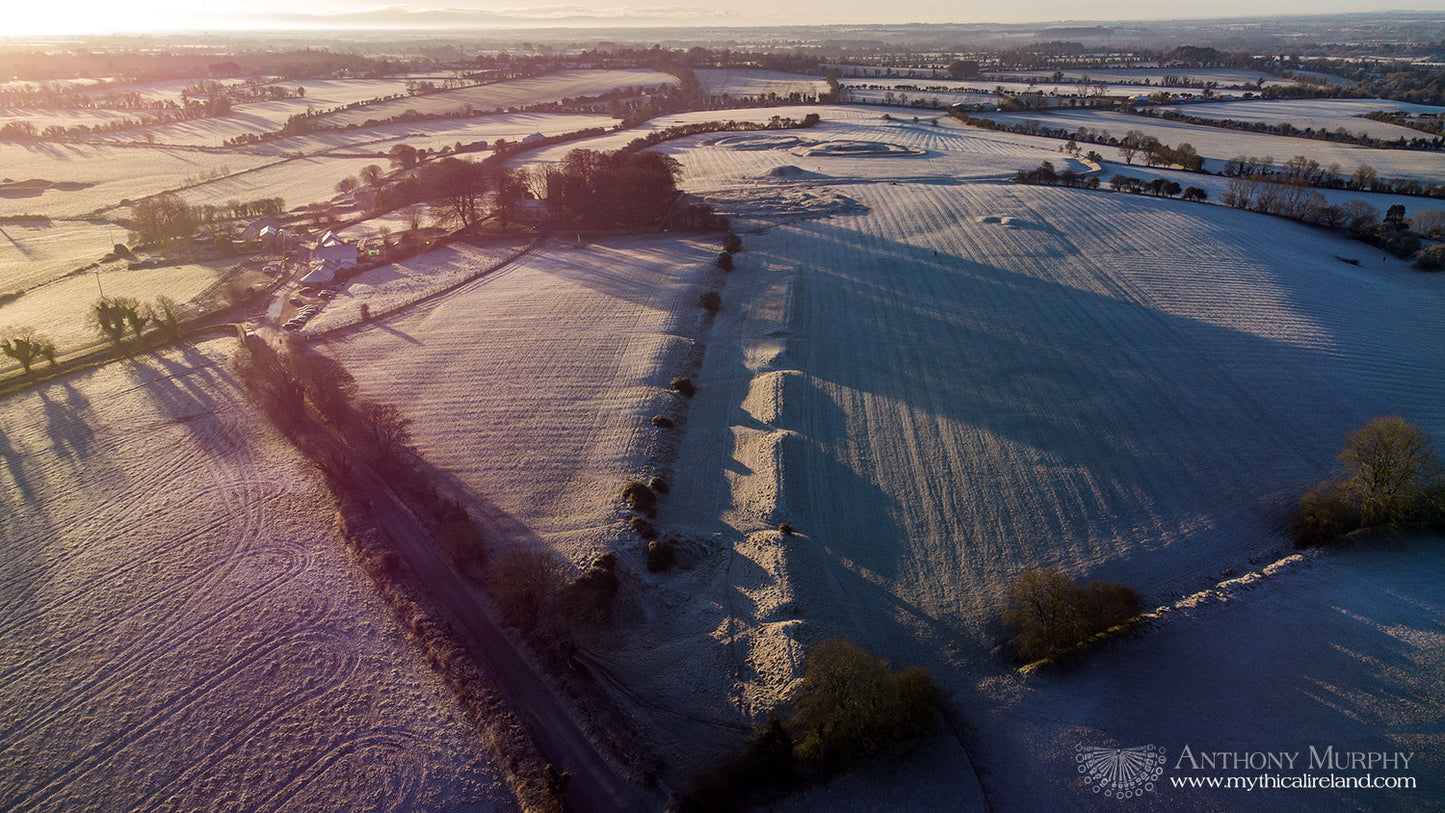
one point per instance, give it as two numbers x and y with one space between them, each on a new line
1338 135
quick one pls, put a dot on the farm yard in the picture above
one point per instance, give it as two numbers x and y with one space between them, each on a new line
221 650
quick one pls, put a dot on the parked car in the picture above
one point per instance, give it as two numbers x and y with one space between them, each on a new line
270 269
326 294
295 300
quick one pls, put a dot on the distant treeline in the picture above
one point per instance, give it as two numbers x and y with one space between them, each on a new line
1339 134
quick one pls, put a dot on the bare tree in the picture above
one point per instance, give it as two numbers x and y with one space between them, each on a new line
26 347
372 175
112 316
1388 464
388 427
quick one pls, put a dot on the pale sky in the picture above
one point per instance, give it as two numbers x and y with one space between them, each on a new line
28 17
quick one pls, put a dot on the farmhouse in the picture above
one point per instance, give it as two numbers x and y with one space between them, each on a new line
531 211
253 231
330 257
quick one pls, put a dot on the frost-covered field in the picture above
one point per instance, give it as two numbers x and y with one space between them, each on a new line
534 386
182 628
61 309
513 127
502 95
1318 114
267 116
391 286
1190 77
42 119
620 139
756 82
940 379
1219 145
32 251
298 181
93 176
879 96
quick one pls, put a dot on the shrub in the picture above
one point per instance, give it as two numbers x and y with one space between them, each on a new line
642 528
725 261
710 301
524 584
683 386
732 243
850 707
639 498
660 556
365 311
662 421
658 484
1398 243
786 529
765 764
1325 515
1432 258
590 598
1049 615
460 539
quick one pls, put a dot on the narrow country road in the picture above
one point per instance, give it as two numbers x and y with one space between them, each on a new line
596 784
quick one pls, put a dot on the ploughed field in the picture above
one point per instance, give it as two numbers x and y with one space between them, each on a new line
939 380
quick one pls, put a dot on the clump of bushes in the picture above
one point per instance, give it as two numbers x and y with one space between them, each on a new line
1325 514
553 613
710 301
1389 478
658 484
850 707
725 261
1049 615
590 597
662 421
459 538
642 527
732 243
660 556
683 386
1432 258
639 498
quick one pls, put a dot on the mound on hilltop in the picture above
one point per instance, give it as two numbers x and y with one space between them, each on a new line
791 172
855 149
